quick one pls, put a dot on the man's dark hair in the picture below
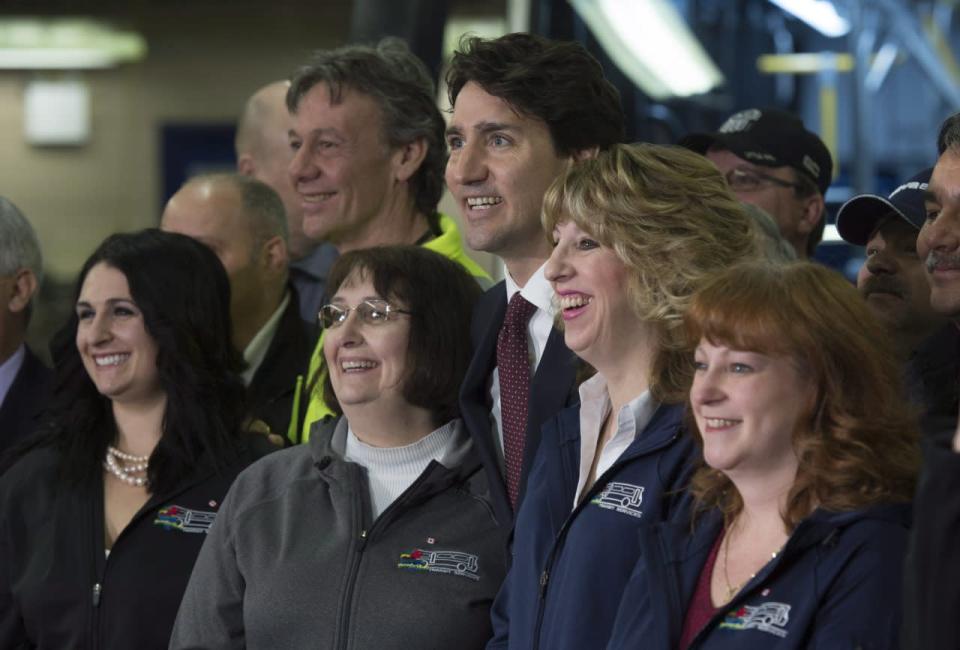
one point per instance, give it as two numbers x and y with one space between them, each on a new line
403 89
439 294
558 82
183 292
949 136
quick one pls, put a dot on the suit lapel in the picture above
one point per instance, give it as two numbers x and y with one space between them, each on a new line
286 356
25 400
474 396
551 389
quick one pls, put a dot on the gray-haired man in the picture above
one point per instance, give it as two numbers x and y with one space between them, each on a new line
24 380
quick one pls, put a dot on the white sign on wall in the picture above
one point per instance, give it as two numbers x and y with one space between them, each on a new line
57 112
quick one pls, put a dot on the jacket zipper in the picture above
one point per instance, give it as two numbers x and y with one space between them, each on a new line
97 516
562 533
99 581
97 610
667 576
343 626
365 535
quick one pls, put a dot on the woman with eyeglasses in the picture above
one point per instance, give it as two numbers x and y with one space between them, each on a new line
377 533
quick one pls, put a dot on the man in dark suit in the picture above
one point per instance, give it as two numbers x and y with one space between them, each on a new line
24 380
243 221
524 109
932 587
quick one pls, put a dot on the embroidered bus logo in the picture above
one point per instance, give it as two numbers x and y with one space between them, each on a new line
766 617
184 519
452 562
621 497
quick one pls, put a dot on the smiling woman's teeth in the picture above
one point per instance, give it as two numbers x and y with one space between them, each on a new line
111 360
574 301
483 202
356 365
717 423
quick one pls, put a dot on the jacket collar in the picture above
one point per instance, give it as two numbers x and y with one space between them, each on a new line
682 540
663 427
328 443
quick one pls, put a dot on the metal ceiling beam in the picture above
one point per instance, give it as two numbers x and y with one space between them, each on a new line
905 24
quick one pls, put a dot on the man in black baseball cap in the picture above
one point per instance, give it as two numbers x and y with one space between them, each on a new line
893 282
772 161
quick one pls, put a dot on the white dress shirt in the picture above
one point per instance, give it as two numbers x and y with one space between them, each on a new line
256 350
632 419
9 370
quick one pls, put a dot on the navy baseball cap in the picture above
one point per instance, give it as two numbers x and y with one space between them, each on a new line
772 138
858 217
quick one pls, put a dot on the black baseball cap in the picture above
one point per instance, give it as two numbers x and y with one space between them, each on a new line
858 217
772 138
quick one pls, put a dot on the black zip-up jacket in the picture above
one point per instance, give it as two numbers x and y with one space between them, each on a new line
58 590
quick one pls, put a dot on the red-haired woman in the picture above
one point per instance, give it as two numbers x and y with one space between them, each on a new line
809 461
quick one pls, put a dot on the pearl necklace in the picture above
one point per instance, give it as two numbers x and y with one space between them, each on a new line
134 465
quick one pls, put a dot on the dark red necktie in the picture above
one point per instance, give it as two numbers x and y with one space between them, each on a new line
513 367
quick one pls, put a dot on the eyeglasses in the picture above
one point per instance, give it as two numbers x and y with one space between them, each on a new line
371 312
749 180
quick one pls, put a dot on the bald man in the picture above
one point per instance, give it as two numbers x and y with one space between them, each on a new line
242 220
263 153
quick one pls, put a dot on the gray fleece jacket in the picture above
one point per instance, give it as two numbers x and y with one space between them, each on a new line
294 560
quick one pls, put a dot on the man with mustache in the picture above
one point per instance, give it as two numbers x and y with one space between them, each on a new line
932 586
893 282
939 241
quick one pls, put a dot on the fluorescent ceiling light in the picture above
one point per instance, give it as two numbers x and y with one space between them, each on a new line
820 14
65 44
650 42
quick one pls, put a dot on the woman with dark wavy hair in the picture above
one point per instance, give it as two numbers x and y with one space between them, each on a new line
102 516
809 461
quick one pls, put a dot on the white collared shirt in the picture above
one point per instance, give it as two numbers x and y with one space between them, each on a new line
632 419
539 293
9 370
256 350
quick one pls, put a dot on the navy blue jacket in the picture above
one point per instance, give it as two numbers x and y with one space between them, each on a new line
569 568
835 585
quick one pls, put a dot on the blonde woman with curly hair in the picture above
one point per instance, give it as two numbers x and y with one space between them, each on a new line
635 231
809 461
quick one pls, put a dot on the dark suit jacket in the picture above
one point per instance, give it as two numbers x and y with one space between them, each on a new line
271 391
932 377
25 401
552 388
